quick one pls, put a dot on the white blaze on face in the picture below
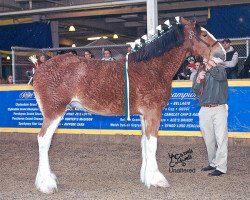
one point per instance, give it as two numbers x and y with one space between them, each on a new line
203 29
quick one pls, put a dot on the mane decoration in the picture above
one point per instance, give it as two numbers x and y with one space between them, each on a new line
168 38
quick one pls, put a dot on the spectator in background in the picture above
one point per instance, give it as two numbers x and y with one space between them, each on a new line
195 70
41 59
107 55
184 71
129 49
60 52
73 52
231 63
2 80
245 72
9 79
190 66
88 55
199 59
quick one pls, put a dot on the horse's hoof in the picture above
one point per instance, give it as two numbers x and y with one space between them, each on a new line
142 176
46 184
162 183
142 180
48 190
157 180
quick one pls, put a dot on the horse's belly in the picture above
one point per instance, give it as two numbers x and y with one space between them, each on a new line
98 107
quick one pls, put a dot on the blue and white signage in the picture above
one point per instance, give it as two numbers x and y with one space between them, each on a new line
19 110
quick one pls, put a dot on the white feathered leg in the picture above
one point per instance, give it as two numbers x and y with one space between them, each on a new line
152 174
45 179
143 151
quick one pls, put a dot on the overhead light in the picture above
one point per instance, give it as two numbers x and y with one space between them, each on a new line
104 37
115 36
73 45
93 38
72 29
8 57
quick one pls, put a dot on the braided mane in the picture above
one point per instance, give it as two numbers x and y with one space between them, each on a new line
158 46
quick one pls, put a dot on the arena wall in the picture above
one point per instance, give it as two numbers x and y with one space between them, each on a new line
20 114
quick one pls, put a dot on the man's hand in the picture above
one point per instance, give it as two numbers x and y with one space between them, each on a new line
201 76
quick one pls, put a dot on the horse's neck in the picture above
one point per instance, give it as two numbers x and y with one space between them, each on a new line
170 62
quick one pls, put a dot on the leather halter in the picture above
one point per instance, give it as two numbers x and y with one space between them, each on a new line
192 34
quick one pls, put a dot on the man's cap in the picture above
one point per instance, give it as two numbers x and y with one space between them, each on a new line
218 57
191 58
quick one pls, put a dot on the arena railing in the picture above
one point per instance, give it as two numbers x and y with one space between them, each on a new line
21 65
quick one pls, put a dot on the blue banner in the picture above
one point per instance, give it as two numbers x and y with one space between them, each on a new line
230 21
19 110
33 35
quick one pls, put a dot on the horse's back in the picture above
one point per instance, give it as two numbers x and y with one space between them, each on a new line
97 85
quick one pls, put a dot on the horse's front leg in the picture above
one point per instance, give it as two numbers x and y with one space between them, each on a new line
45 179
143 151
152 175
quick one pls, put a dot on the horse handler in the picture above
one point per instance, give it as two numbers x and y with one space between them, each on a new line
211 86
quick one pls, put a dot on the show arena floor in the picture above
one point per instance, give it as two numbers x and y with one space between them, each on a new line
107 167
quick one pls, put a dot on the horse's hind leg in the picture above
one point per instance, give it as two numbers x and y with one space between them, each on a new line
152 175
45 179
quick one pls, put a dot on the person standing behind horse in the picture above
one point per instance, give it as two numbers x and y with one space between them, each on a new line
9 79
2 80
41 59
107 55
245 72
185 69
231 63
88 55
211 86
194 70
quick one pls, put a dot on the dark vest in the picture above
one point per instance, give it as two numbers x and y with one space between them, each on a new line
229 56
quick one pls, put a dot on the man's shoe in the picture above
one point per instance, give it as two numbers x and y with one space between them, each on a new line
216 173
208 168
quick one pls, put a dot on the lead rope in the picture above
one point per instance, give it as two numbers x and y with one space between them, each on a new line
127 109
33 59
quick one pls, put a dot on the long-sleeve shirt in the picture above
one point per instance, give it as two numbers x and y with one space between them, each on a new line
214 88
234 61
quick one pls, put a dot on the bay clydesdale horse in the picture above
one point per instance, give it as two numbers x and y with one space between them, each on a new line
99 87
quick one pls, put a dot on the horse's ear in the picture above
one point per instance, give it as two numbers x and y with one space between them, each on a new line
184 21
194 20
197 28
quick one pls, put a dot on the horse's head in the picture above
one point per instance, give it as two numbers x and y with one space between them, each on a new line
199 41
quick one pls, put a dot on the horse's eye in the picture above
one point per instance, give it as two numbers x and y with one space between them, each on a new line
204 34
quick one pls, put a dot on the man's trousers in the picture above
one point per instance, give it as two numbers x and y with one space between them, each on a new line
213 125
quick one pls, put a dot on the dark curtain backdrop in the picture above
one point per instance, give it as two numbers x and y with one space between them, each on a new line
230 21
35 35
